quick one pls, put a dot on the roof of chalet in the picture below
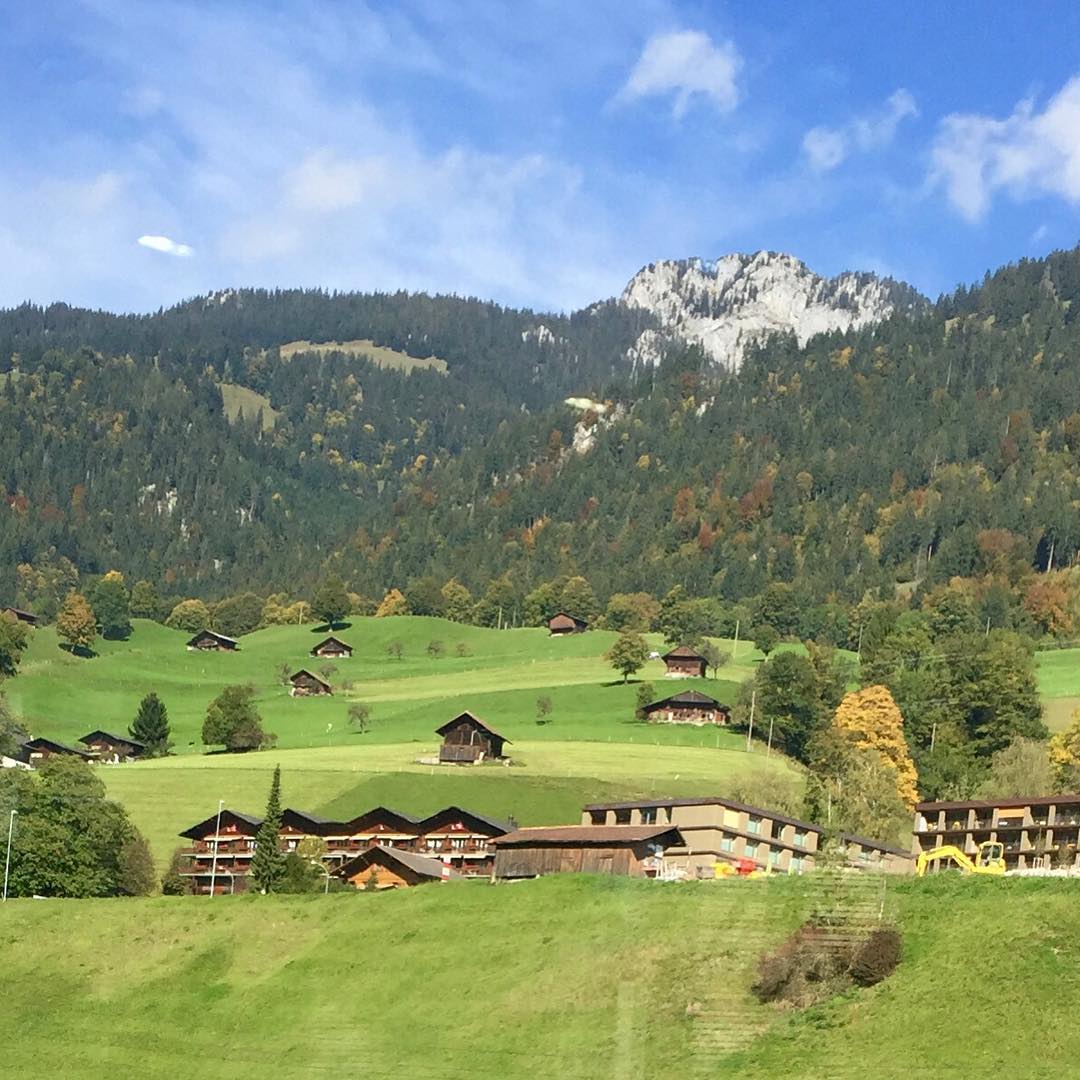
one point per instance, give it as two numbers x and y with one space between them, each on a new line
567 615
682 652
196 832
207 632
377 812
311 675
41 743
466 715
423 865
332 639
449 812
20 613
127 739
687 697
588 834
301 817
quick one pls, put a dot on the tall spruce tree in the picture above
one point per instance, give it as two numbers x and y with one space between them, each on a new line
151 726
268 862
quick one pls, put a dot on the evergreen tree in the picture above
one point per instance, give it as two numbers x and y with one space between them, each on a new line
268 862
76 623
151 726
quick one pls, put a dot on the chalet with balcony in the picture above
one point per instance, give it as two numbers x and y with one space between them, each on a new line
1036 831
716 830
394 868
303 683
684 662
462 838
113 749
560 623
39 750
219 857
211 641
689 707
627 850
333 648
468 740
19 615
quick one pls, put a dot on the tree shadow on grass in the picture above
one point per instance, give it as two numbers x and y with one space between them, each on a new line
331 628
80 651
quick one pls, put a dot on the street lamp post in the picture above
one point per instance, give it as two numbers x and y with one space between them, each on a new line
7 860
217 841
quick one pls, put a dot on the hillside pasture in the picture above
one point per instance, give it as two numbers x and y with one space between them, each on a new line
380 355
240 401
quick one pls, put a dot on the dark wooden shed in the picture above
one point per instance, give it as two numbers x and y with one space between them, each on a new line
305 684
211 641
27 617
630 850
333 647
561 623
113 748
467 739
683 662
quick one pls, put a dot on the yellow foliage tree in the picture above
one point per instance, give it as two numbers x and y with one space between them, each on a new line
873 718
76 623
1065 752
393 603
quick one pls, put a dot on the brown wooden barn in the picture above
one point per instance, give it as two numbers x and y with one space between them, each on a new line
631 850
393 868
112 749
39 750
561 623
27 617
468 740
683 662
211 641
334 648
689 707
304 684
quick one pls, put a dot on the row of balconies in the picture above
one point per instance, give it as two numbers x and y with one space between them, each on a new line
985 824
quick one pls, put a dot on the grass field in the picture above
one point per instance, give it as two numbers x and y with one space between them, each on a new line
570 978
1059 685
378 354
240 399
550 786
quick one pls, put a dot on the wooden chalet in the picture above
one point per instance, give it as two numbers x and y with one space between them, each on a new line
333 648
27 617
683 662
378 826
304 684
219 861
462 838
468 740
561 623
394 868
689 707
212 641
630 850
113 749
38 750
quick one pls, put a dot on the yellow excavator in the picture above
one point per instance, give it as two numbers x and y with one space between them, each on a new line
989 859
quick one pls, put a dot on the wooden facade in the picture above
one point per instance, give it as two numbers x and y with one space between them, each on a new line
684 663
304 684
561 623
468 740
627 850
113 749
689 707
333 648
211 641
393 868
27 617
38 750
220 860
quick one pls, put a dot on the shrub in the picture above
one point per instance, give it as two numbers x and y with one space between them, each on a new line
877 957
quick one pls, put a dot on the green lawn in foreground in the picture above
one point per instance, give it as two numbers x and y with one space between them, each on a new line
549 787
62 696
567 978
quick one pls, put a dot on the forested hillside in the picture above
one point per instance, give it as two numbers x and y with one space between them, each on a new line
926 448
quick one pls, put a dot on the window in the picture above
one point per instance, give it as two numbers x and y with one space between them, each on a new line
622 817
753 824
598 817
800 838
648 816
797 864
727 844
774 858
750 850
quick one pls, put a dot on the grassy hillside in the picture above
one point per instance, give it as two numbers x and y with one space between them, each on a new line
237 400
381 355
500 677
1059 685
569 978
550 786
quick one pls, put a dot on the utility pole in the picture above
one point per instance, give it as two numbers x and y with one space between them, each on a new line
933 736
735 647
217 841
7 861
858 651
750 730
768 751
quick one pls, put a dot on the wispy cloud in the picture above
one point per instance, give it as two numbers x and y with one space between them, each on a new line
166 246
688 64
1027 154
827 147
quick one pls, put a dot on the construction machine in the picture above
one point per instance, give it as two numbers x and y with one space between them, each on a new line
989 859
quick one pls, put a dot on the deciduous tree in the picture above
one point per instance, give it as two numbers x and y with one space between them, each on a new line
233 721
112 607
76 623
14 637
331 601
393 603
628 654
190 616
873 720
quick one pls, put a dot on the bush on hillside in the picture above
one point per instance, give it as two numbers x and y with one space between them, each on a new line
878 956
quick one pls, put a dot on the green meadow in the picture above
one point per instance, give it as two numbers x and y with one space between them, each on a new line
567 977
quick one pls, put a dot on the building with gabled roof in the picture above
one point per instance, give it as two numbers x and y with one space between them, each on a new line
332 647
683 662
469 740
41 749
687 707
394 868
631 850
219 859
304 683
20 615
561 623
212 641
112 749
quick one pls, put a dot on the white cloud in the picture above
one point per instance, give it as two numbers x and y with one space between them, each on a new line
1029 153
827 147
685 63
166 246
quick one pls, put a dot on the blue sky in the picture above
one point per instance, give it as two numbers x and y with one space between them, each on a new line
534 153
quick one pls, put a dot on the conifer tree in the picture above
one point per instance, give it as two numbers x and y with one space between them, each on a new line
268 862
872 718
151 726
